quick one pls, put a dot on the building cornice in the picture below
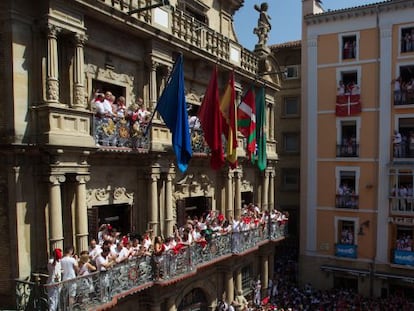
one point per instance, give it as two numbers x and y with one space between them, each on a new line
359 11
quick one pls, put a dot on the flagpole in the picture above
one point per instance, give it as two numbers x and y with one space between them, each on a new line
155 110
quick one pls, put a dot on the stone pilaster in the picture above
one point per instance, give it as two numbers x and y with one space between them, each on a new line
168 201
237 193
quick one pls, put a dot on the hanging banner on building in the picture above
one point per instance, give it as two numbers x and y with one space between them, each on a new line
403 257
348 105
346 250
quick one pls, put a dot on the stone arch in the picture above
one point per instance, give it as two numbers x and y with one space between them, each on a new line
208 288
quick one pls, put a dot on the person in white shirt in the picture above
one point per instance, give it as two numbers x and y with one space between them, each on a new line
69 271
94 250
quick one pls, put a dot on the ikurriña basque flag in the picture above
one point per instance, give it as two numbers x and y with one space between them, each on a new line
173 109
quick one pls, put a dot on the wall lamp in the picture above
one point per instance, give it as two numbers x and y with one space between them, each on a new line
361 227
152 6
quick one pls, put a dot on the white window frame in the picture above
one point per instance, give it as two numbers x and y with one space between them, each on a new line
400 28
340 40
347 69
356 227
339 128
355 169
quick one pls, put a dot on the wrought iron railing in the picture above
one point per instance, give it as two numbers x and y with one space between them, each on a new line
347 201
347 150
120 132
97 289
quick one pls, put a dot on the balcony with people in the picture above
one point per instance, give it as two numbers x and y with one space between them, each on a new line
346 196
118 265
346 247
348 99
403 87
403 253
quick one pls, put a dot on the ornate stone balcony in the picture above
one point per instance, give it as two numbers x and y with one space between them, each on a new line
101 288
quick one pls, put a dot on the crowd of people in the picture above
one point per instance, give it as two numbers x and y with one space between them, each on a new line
111 247
115 123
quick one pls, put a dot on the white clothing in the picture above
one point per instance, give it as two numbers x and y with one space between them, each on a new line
100 262
95 252
53 292
103 108
68 266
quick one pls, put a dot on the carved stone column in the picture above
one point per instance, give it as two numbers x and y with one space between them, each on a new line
168 202
55 212
52 79
153 222
237 193
81 213
79 89
229 195
153 87
265 192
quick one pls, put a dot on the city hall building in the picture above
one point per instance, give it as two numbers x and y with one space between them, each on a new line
65 171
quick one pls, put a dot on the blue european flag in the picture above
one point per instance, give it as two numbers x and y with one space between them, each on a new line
173 109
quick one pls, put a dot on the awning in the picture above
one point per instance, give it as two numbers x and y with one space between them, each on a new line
405 278
351 271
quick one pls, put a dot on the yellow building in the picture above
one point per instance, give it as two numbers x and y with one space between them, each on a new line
64 172
356 229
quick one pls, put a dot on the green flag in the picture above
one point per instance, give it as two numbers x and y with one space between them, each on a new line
261 129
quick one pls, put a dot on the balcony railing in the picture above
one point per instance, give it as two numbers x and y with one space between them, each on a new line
120 132
402 205
347 150
350 201
99 288
403 150
403 257
404 97
346 250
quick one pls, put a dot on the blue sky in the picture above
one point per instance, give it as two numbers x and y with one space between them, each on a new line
286 16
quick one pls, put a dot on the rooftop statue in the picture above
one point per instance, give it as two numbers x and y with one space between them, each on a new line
263 24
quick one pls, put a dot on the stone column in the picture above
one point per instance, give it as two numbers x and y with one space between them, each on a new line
265 191
55 212
81 213
271 264
237 193
272 189
229 286
52 81
168 202
153 198
239 285
78 77
229 195
264 273
153 87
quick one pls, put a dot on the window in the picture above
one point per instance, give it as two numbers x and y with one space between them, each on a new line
407 39
290 179
405 127
346 232
291 106
292 72
348 144
349 46
291 142
404 86
247 279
